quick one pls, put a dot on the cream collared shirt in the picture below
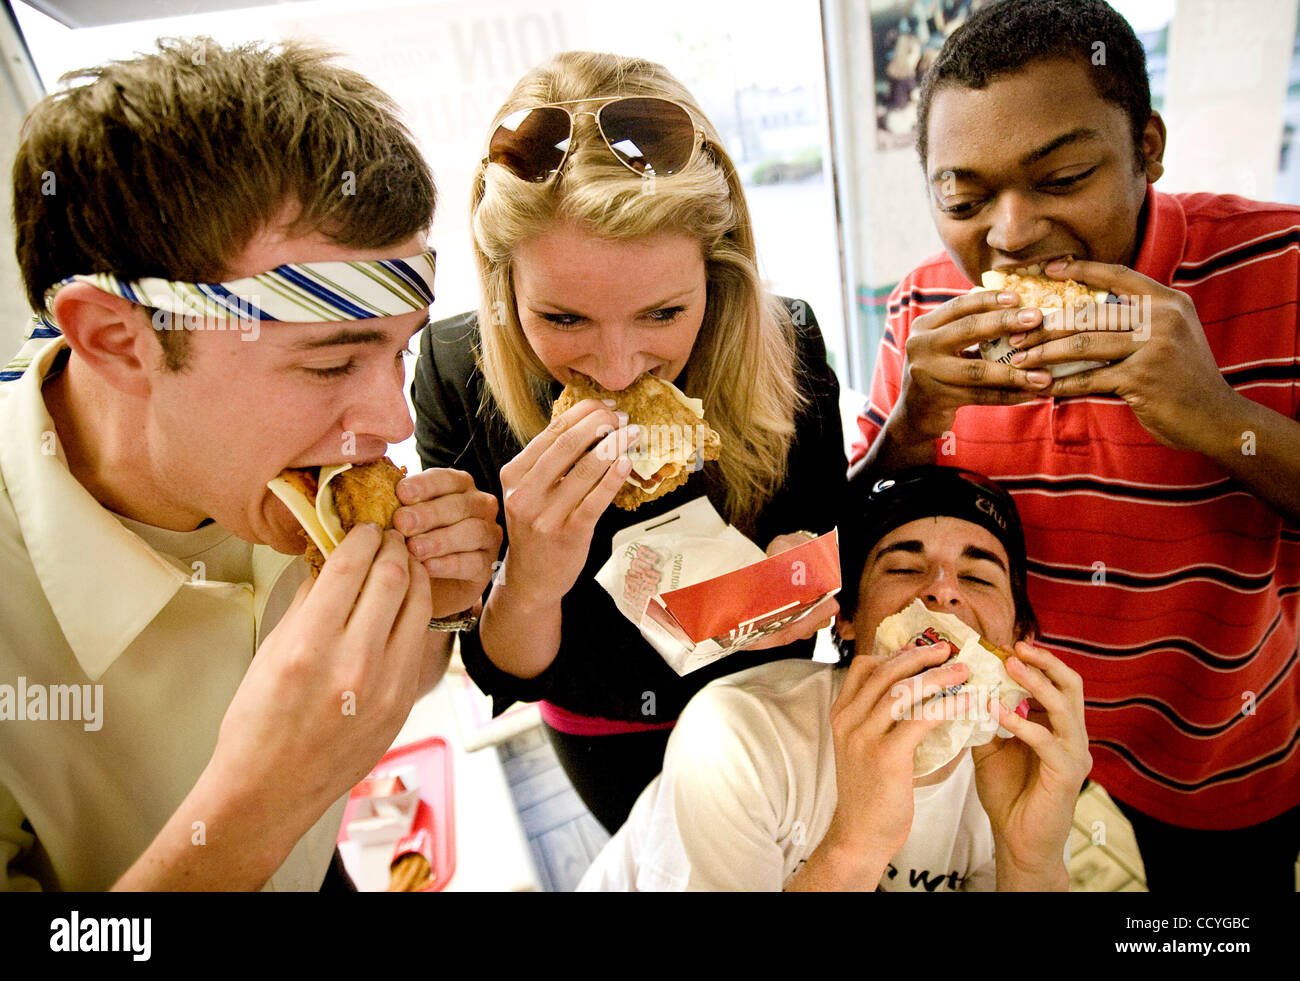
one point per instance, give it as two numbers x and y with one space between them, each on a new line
166 622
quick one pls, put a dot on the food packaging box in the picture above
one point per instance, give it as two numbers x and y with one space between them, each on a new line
425 770
698 589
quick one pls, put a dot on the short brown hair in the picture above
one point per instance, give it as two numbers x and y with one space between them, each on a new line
168 164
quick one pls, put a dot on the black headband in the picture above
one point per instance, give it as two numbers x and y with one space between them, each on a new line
884 503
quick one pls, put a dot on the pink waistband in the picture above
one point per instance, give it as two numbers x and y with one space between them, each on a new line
589 725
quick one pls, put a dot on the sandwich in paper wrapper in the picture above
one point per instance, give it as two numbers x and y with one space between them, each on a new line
988 676
1051 296
698 589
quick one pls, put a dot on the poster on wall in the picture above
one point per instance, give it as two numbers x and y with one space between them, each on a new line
906 36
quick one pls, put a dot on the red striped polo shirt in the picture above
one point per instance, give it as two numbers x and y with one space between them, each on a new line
1167 585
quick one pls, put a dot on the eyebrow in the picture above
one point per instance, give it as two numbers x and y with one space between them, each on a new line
912 546
984 555
350 335
1079 135
675 299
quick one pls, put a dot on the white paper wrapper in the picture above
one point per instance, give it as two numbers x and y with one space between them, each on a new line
988 678
687 545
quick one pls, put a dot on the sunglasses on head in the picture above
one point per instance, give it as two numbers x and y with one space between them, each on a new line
650 136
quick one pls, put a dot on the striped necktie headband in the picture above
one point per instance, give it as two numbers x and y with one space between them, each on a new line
307 292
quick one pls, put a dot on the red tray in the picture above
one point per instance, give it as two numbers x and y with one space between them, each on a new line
435 810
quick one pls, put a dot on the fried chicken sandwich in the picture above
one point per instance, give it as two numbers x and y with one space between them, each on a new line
328 501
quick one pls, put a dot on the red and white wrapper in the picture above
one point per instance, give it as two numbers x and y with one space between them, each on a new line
418 842
698 589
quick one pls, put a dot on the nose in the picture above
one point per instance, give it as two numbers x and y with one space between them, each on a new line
379 410
941 594
617 363
1015 224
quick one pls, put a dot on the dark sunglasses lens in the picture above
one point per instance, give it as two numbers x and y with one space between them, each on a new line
651 136
531 142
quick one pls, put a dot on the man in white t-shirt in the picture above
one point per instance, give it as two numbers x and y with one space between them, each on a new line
798 775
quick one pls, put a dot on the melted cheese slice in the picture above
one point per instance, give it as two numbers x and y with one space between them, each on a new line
646 465
318 518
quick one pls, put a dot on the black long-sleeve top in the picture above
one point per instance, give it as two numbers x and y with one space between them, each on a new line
604 668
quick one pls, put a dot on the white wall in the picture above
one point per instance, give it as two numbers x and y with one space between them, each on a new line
1228 67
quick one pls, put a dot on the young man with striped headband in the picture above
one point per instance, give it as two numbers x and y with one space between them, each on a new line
1160 486
226 250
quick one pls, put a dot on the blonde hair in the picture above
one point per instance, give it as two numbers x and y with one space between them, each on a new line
743 365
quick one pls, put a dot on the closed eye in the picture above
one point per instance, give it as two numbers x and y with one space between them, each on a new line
561 319
961 209
1064 183
351 365
666 315
337 371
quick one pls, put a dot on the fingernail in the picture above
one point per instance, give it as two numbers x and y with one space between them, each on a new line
1018 357
1008 297
1039 378
1017 339
1056 265
1027 317
622 418
623 467
609 402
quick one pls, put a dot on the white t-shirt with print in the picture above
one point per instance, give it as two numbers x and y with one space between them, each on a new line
748 792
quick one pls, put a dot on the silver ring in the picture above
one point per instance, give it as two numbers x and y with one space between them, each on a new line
464 620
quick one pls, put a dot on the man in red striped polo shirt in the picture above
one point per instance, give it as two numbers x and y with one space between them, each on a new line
1160 491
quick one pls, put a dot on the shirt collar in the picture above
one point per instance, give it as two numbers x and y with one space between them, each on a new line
1164 240
104 584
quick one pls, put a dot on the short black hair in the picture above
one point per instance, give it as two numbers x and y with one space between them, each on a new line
1004 37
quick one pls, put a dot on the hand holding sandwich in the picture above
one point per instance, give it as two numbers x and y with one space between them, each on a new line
451 529
1028 785
555 491
876 725
1153 347
324 697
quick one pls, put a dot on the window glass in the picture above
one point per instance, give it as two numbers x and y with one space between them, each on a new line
756 66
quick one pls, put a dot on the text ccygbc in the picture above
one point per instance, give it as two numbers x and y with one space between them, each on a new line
102 934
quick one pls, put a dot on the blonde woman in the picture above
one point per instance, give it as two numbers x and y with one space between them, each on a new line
612 239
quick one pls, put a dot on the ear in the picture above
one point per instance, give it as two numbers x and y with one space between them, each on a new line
110 334
1153 148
